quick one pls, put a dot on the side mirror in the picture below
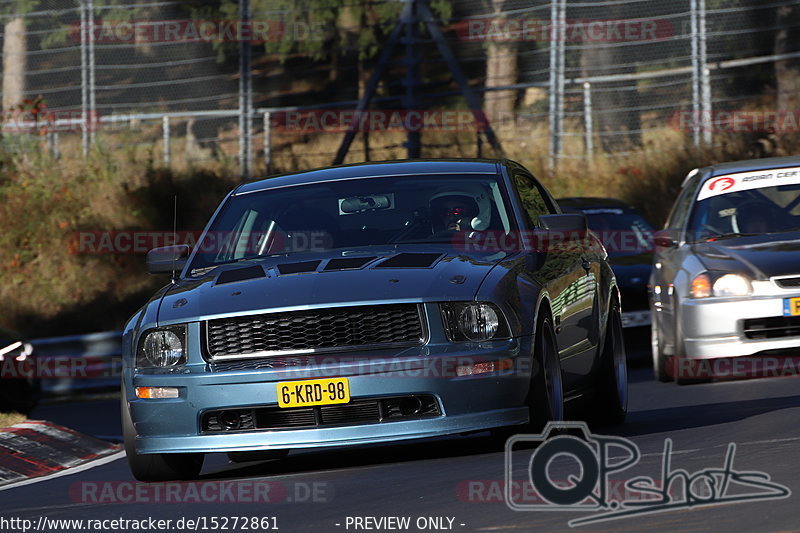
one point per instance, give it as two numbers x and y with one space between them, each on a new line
167 259
664 239
565 222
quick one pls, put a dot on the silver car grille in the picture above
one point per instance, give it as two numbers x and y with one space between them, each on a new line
315 330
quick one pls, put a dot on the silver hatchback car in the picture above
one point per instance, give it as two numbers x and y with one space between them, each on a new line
726 276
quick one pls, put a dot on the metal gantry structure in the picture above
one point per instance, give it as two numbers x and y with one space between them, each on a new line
415 13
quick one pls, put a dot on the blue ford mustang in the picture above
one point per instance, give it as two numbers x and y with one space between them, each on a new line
370 303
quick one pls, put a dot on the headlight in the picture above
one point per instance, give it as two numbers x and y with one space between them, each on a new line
720 284
474 321
162 347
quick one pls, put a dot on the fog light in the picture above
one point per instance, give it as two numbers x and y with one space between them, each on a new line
485 367
156 392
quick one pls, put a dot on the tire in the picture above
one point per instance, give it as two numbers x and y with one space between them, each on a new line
261 455
158 466
611 402
546 395
661 363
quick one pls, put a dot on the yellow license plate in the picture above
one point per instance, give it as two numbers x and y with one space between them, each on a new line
313 392
791 306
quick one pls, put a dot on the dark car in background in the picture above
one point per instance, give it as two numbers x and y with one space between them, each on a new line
628 239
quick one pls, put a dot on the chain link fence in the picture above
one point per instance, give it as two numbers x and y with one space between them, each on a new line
268 84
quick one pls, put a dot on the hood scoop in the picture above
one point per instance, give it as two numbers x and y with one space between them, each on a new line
240 274
298 268
410 260
347 263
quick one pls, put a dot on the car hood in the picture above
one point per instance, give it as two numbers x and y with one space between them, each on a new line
318 280
760 257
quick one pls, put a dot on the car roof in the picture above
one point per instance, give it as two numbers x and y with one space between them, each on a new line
376 169
766 163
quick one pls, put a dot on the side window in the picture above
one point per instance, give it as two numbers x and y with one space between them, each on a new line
677 218
533 199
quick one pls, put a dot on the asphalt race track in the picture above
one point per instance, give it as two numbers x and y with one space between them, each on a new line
455 484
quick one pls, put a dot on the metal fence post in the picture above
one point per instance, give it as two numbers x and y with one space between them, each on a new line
245 96
90 38
165 132
552 82
558 11
696 110
84 84
268 142
705 76
588 126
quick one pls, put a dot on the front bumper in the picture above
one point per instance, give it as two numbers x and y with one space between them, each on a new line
468 403
715 327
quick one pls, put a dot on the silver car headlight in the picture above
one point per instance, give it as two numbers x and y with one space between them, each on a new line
162 347
474 321
720 284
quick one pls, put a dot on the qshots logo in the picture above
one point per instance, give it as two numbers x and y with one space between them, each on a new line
572 469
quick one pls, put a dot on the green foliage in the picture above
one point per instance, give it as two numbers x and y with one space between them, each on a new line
314 28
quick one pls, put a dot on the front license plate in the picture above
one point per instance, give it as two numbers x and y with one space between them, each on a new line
791 306
313 392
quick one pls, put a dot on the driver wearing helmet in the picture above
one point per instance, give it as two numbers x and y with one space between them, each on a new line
461 210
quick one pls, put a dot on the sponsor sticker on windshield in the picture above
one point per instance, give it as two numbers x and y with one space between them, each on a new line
745 181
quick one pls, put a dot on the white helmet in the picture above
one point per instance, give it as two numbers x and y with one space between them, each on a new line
479 196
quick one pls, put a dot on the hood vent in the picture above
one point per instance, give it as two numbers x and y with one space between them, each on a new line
347 263
410 260
240 274
298 268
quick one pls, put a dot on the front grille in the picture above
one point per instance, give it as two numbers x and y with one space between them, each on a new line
772 327
788 283
276 362
314 330
364 411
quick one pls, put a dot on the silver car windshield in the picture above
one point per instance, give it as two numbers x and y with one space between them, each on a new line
354 213
752 212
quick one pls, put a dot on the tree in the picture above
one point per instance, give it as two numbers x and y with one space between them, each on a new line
787 71
501 70
15 48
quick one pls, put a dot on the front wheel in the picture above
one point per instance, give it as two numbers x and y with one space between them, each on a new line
157 466
546 395
611 405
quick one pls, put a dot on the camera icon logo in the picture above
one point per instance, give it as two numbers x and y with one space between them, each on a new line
569 444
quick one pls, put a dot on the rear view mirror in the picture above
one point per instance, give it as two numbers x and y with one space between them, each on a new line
359 204
167 259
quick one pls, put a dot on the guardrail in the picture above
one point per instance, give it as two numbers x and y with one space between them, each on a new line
79 363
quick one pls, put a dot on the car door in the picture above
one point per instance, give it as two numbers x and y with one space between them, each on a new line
667 264
570 276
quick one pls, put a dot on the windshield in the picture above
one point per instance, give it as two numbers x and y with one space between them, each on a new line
354 213
621 233
751 212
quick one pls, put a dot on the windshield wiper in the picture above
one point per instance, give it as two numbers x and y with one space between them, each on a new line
730 235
